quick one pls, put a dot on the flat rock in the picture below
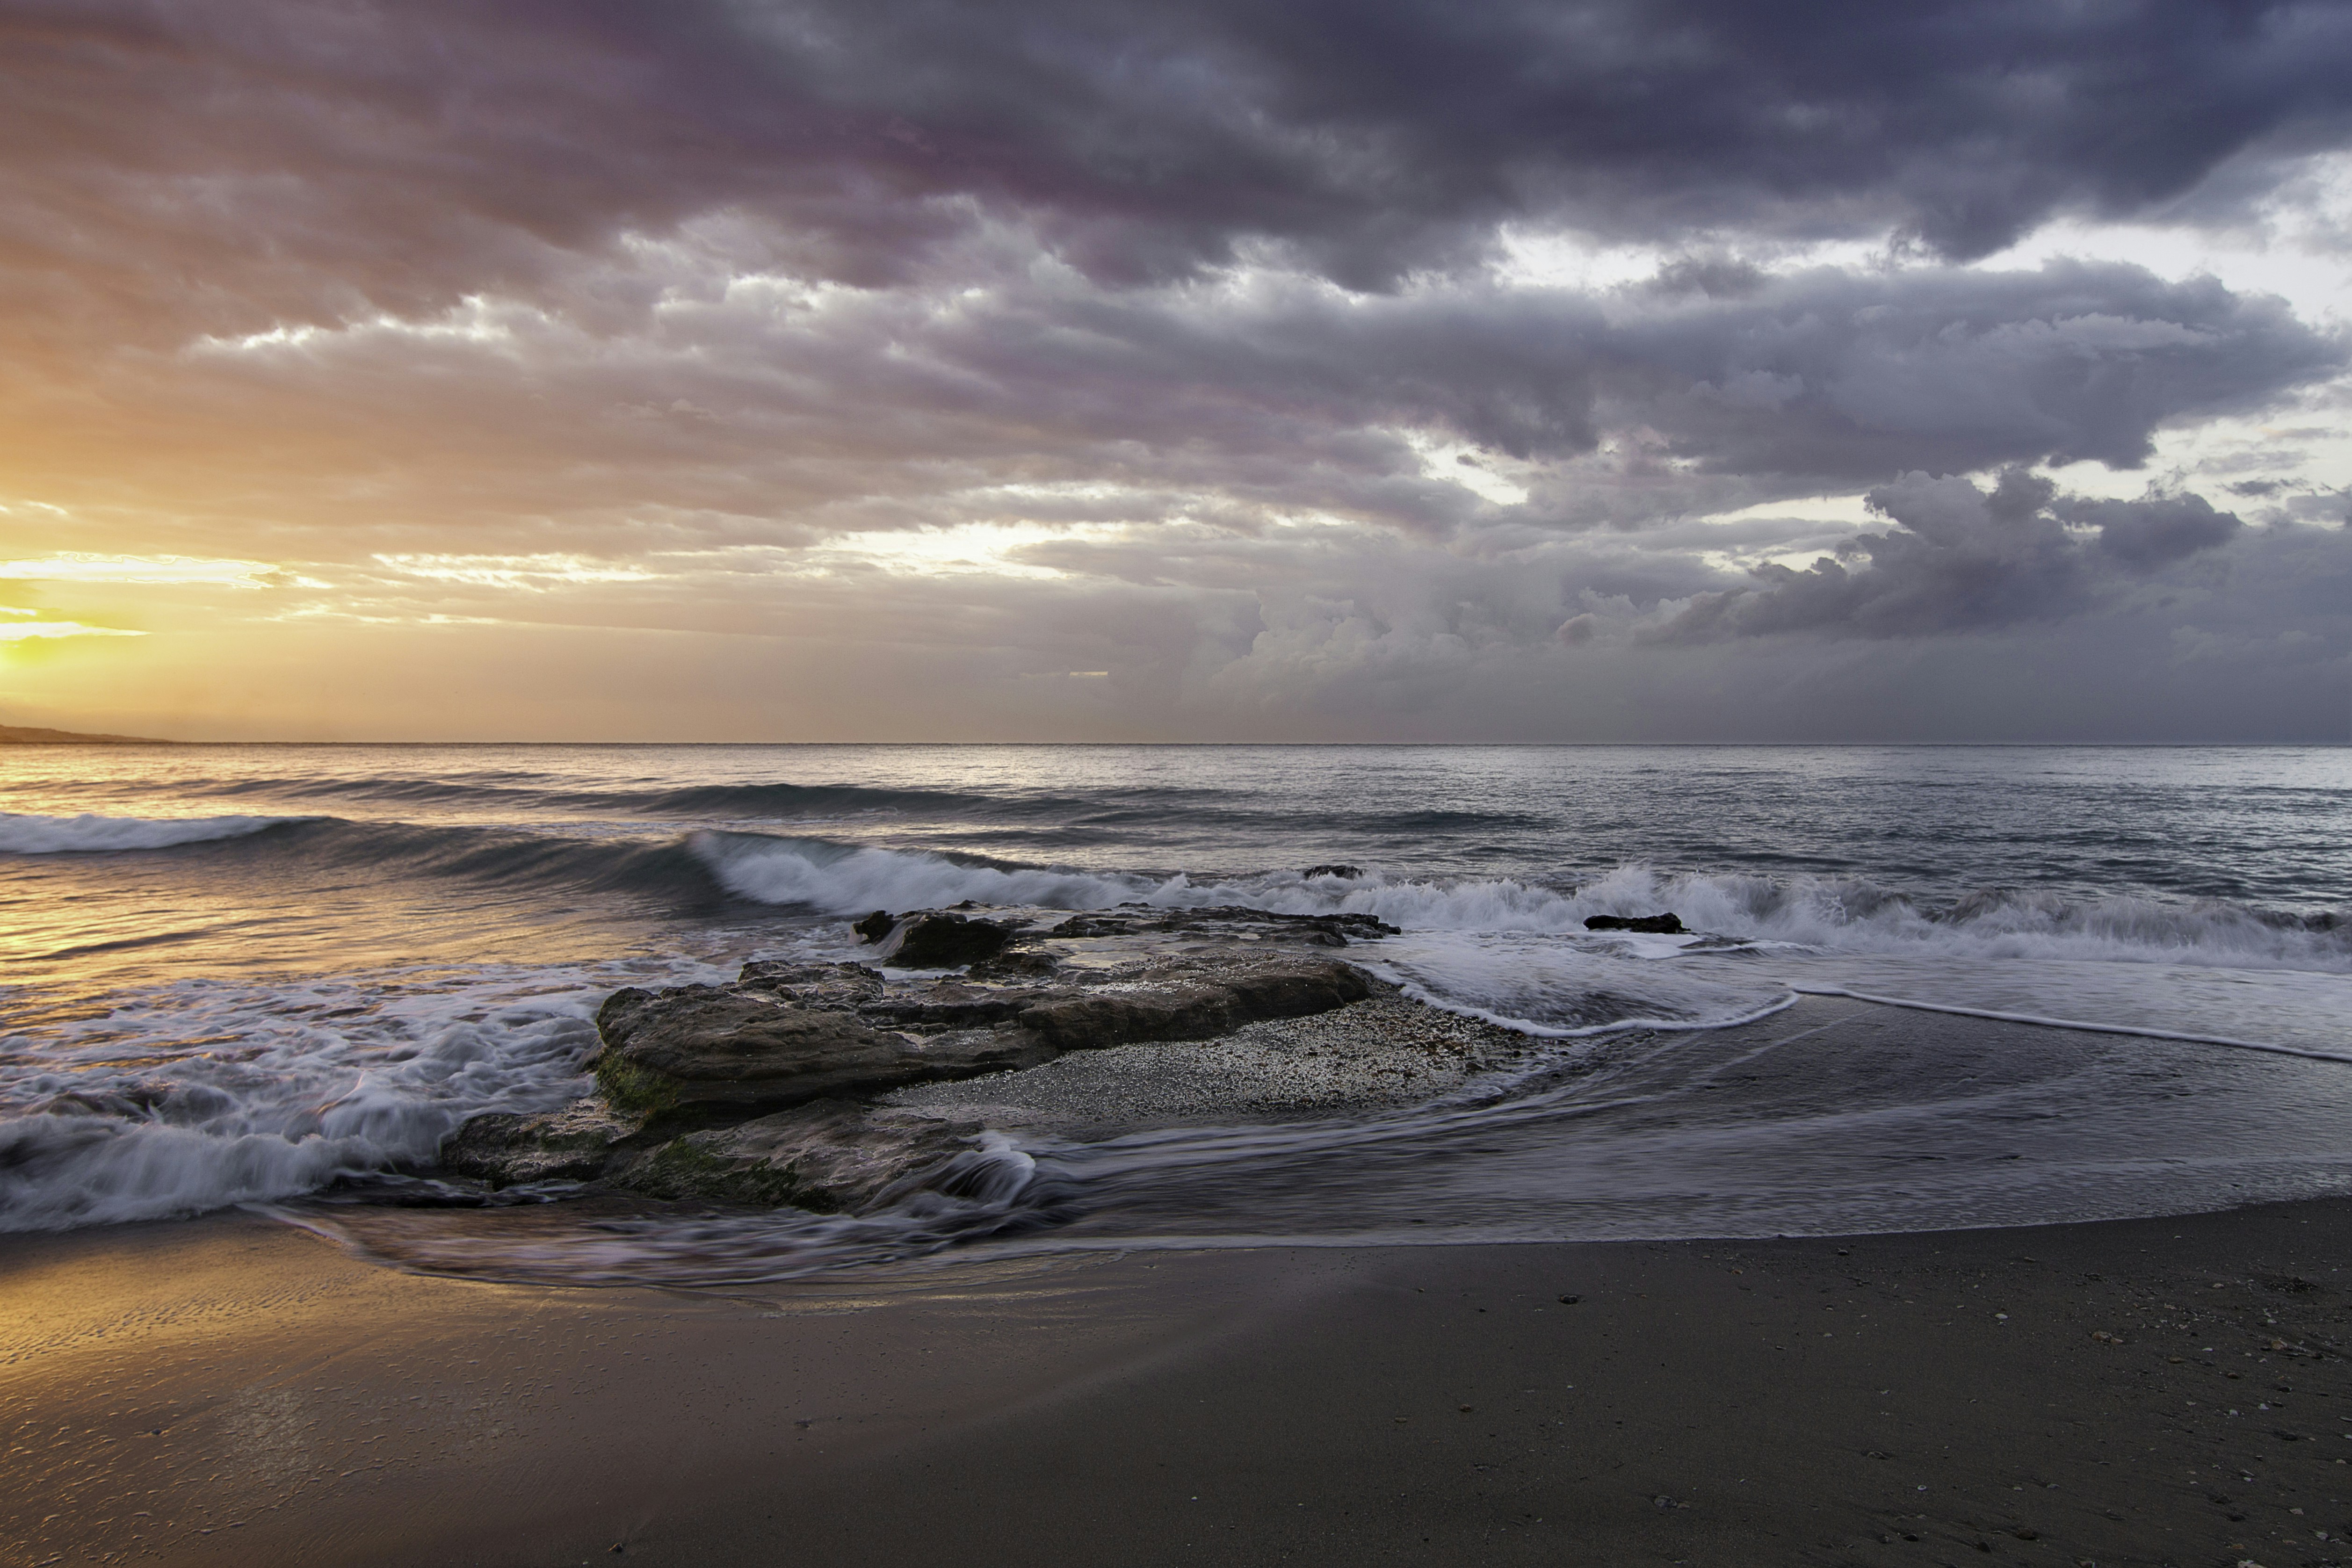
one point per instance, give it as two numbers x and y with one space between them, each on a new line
708 1049
836 987
714 1046
952 1004
1330 930
831 1156
1196 1007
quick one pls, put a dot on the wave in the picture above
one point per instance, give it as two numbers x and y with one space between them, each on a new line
831 877
989 1192
22 834
1833 915
852 879
192 1096
782 802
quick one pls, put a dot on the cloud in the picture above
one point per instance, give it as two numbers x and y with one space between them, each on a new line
1962 560
966 347
309 162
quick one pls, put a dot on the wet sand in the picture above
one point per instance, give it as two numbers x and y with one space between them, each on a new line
232 1390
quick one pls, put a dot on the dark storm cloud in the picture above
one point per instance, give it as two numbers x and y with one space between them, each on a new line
1963 559
896 409
308 159
1952 370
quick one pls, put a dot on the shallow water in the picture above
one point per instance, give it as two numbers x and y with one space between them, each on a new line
249 973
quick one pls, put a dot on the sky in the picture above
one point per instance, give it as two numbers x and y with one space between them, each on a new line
1196 371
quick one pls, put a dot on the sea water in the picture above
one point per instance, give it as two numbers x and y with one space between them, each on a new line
266 974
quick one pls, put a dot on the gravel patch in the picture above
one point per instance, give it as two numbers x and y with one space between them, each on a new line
1381 1053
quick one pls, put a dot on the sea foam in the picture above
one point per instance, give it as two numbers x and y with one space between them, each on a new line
194 1095
1849 915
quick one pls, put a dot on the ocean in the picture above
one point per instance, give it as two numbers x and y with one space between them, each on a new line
280 975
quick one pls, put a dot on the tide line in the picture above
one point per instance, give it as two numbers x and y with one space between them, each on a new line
2307 1052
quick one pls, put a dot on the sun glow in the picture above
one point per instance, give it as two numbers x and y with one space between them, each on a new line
33 630
174 570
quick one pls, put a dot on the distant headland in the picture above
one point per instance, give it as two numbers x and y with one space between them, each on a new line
23 735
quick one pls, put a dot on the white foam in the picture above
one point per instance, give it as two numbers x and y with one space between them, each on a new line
201 1093
843 880
1832 914
24 834
1555 988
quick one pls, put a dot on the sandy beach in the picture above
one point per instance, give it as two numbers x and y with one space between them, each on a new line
2165 1391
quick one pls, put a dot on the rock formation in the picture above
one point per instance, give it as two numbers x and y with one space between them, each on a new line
759 1091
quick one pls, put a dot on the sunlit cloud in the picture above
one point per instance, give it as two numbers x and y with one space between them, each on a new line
165 570
34 631
529 572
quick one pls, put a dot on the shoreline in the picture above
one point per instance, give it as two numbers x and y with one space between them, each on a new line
231 1388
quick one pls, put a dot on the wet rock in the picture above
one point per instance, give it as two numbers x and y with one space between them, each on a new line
931 940
1334 930
1016 964
874 926
504 1149
1344 872
712 1046
831 1156
951 1004
710 1049
1083 925
1196 1009
1665 925
836 987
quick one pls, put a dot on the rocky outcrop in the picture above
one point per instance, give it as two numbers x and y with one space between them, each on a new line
1344 872
831 988
758 1091
1195 1010
579 1143
708 1047
703 1049
1655 925
950 1005
831 1156
934 940
1334 930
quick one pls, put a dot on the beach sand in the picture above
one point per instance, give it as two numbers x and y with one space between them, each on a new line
230 1389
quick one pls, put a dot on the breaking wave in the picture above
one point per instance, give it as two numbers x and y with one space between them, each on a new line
831 877
1849 915
31 835
192 1096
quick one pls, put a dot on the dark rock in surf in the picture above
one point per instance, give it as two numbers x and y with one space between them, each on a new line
937 941
1344 872
874 926
831 1156
1090 926
1189 1009
1334 930
1655 925
1016 964
579 1143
